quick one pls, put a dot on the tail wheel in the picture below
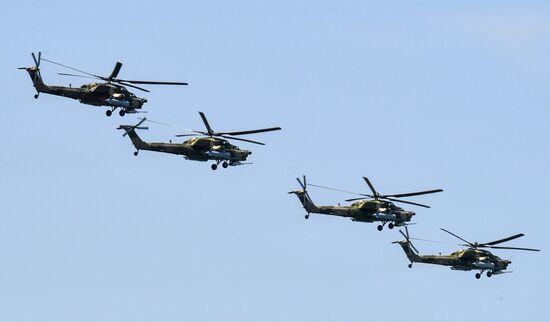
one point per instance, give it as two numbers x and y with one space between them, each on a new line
410 265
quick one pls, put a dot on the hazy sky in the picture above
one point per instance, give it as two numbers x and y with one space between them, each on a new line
415 95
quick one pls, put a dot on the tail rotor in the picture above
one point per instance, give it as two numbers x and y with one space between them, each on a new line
408 239
128 128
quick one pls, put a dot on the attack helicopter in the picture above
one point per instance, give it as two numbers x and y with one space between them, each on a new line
369 208
212 146
111 93
472 258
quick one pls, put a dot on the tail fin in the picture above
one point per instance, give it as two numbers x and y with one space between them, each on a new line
130 130
411 255
34 73
306 201
408 247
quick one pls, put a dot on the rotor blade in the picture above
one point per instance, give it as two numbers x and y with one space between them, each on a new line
77 70
140 122
514 248
371 186
182 135
339 190
354 199
412 246
464 240
400 195
503 240
431 241
402 233
142 89
116 70
149 82
35 60
73 75
301 184
252 131
239 139
205 121
407 202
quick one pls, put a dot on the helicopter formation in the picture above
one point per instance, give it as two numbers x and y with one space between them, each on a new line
214 146
378 207
114 94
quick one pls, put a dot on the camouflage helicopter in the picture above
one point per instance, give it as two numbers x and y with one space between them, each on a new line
375 207
472 258
111 93
211 147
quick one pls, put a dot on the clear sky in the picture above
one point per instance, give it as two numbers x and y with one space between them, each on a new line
415 95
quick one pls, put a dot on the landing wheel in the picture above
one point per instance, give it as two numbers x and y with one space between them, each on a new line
108 112
390 225
380 227
121 113
35 96
307 216
489 274
225 165
214 166
478 276
410 265
136 153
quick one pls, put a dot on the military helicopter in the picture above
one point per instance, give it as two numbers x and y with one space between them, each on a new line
472 258
111 93
211 147
375 207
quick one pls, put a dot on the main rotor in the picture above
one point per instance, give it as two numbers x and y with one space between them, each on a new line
389 197
112 78
228 135
476 245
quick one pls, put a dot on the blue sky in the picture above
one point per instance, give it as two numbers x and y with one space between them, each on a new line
414 95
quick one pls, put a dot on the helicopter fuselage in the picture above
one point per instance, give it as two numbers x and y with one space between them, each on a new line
196 149
369 210
462 260
97 94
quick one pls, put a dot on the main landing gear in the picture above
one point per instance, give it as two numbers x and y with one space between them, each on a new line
215 165
478 275
110 112
390 226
